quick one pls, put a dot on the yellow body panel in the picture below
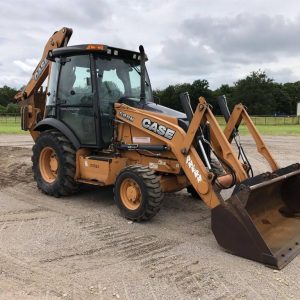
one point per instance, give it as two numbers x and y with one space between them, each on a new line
103 172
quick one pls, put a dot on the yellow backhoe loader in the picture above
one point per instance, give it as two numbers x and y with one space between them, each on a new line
97 123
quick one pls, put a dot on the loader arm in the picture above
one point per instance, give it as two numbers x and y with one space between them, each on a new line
181 145
239 113
33 99
260 220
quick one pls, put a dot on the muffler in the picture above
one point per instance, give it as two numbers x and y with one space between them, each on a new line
261 219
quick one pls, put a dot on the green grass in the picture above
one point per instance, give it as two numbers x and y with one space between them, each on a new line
11 128
273 129
269 120
12 125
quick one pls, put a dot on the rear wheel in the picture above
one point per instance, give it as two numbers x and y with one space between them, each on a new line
48 163
138 193
54 164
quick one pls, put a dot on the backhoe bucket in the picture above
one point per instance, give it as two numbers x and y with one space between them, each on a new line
261 219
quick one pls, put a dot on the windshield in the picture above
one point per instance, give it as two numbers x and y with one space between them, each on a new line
120 78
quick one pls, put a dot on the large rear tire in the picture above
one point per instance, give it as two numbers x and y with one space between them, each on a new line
138 193
54 164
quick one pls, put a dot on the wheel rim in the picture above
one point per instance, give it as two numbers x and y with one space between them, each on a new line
130 193
48 163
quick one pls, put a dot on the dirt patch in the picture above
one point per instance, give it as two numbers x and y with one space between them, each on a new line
15 166
79 247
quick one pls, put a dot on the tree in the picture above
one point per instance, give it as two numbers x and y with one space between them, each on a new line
227 91
256 92
170 96
2 109
283 101
200 88
7 95
293 90
13 108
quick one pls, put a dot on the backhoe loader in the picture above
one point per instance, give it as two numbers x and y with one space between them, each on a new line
97 123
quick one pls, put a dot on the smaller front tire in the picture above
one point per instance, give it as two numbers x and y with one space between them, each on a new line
138 193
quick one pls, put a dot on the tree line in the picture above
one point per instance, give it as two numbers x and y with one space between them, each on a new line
259 93
7 103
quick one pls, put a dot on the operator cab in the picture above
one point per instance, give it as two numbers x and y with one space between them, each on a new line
86 81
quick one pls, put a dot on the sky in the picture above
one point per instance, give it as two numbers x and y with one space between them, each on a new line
185 40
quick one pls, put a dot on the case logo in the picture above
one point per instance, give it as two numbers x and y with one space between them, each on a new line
40 69
158 129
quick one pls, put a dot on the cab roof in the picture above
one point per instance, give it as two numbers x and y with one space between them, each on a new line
94 48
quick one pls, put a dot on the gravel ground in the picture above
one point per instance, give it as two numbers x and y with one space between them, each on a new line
79 247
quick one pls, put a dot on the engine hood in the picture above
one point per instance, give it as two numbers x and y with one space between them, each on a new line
157 108
164 110
150 106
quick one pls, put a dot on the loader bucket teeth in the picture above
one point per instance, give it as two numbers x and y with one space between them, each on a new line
261 220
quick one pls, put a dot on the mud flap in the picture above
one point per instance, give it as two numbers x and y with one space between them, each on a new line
261 220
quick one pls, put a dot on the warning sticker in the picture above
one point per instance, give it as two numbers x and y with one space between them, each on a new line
141 139
153 165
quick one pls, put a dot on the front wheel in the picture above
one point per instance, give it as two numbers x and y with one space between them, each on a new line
138 193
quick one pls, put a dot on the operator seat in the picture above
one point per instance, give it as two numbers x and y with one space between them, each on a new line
67 83
109 94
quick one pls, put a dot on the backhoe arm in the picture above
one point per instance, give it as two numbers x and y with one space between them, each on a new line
33 98
58 39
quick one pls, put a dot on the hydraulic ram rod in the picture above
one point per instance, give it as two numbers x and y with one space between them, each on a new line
186 104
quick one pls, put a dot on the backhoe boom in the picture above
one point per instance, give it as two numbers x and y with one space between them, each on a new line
58 39
33 97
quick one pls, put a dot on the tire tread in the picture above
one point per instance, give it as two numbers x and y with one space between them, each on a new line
154 192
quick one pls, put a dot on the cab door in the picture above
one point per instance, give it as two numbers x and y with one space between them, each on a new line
110 89
76 99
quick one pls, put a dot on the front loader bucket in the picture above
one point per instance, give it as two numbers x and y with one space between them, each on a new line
261 220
